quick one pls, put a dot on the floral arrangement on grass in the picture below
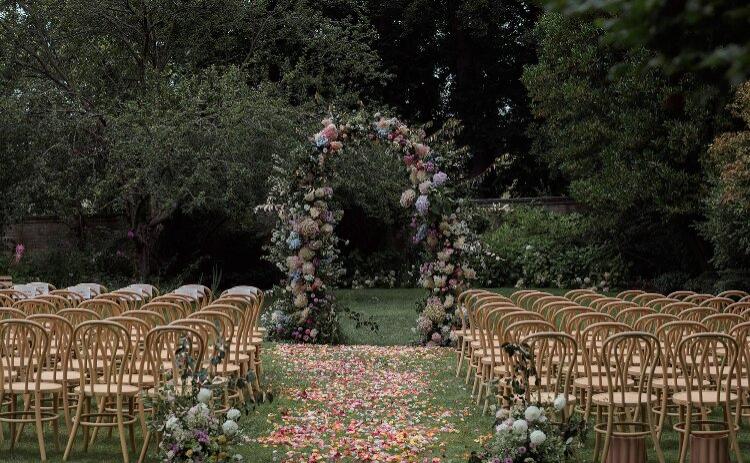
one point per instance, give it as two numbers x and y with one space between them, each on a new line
197 434
305 247
186 412
526 432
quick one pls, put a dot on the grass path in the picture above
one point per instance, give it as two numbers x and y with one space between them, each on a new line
365 403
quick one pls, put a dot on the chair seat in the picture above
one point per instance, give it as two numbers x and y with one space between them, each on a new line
20 387
598 382
658 371
676 383
628 398
134 378
710 398
107 390
57 376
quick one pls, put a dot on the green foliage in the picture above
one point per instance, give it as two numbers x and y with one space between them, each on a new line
728 164
535 247
629 144
705 35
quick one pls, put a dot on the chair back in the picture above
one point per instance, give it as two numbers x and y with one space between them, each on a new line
25 346
102 348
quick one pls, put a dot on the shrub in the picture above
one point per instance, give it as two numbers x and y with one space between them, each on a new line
534 247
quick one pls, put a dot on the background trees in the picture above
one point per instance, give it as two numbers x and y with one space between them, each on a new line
169 114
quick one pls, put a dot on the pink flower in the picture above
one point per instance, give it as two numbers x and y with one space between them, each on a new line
421 150
131 234
20 250
330 132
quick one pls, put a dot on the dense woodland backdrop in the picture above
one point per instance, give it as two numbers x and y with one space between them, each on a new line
171 114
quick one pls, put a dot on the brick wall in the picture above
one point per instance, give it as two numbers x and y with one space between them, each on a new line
43 233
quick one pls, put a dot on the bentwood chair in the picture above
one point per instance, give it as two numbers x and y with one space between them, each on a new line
35 306
593 380
553 365
106 305
25 347
668 376
627 404
709 363
172 353
102 349
58 366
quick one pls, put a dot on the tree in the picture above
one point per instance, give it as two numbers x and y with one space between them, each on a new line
464 60
710 36
630 144
728 164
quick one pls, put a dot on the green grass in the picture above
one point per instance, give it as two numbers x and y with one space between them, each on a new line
394 311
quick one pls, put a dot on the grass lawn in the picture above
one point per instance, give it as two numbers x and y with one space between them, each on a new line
377 397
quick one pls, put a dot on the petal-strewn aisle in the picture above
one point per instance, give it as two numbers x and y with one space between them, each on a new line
361 403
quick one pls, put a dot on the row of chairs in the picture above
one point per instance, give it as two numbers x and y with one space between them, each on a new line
636 355
94 361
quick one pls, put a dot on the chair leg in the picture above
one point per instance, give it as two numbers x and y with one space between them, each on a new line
686 437
597 435
121 430
131 426
655 437
12 425
39 427
460 358
76 422
732 435
144 448
56 421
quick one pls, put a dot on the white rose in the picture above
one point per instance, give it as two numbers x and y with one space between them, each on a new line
230 428
204 395
537 437
233 414
502 413
172 423
560 402
520 426
532 413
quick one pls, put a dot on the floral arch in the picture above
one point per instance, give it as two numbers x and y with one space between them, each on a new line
305 247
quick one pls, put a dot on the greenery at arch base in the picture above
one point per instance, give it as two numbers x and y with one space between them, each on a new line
305 247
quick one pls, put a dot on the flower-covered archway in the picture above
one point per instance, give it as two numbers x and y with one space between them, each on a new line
305 247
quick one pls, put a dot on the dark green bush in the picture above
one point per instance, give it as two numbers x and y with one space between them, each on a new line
534 247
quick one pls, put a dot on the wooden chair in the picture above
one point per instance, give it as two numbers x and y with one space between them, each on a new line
722 322
58 367
697 314
594 379
709 364
658 303
60 302
35 306
628 404
13 295
741 333
733 294
152 317
629 294
718 303
184 348
102 349
615 307
644 298
123 301
25 347
72 297
78 316
106 305
668 376
651 323
577 292
168 310
737 307
553 359
185 303
681 295
11 313
698 298
633 314
676 308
